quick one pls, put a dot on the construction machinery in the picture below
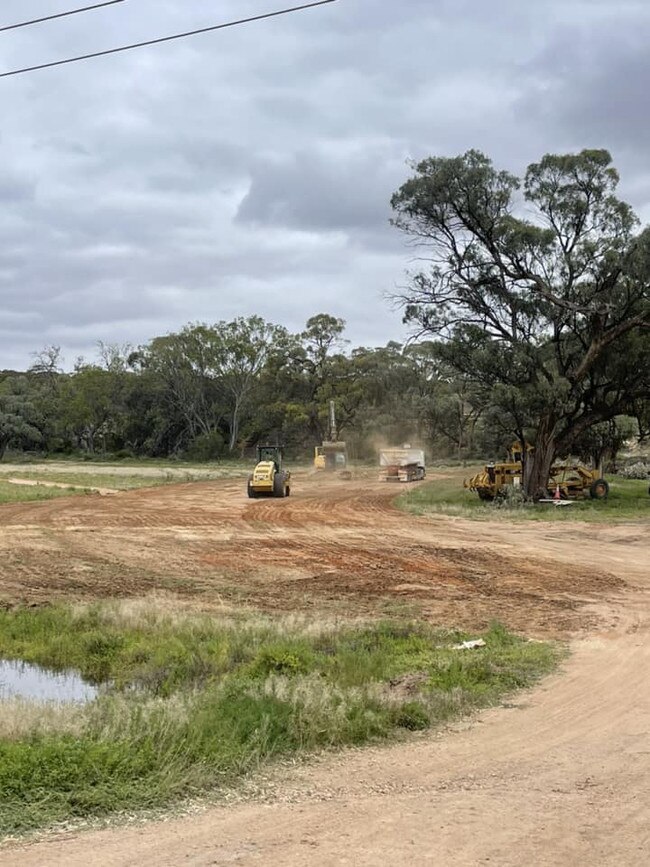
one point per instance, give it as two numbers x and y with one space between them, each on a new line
269 479
332 454
403 464
572 481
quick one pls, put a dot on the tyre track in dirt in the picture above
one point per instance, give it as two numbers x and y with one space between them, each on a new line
338 545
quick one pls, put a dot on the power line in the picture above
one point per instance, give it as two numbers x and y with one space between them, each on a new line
60 15
166 38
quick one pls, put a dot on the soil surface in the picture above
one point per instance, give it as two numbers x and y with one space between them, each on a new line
331 546
560 777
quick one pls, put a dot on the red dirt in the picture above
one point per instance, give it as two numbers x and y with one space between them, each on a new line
331 545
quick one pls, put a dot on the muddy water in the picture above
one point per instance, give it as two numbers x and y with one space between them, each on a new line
21 680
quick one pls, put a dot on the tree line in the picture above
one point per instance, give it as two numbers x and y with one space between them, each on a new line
212 392
215 391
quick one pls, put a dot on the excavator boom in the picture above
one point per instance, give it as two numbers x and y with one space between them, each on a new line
332 454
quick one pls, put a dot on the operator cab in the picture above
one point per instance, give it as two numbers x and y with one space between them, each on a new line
270 453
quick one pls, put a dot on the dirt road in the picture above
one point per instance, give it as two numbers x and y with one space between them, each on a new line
563 777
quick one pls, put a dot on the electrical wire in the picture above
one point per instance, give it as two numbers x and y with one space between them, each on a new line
166 38
60 15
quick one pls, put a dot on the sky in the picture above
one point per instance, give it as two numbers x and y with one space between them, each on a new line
249 171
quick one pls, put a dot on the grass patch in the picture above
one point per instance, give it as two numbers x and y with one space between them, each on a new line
192 703
628 500
120 478
18 494
86 479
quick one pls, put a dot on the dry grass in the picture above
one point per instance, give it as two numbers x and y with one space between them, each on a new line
21 719
161 609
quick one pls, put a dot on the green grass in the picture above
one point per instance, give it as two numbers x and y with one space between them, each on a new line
80 483
17 494
83 459
124 477
628 500
82 480
89 479
195 702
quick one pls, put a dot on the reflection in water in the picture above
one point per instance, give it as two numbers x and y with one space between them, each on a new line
21 680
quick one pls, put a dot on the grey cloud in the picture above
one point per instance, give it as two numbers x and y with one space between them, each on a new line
251 170
593 101
311 191
15 189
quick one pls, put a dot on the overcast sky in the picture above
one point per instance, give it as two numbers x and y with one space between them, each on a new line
250 170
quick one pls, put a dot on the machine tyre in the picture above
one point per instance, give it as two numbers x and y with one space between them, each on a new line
486 496
279 487
251 492
599 490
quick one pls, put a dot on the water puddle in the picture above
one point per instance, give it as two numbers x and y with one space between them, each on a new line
22 680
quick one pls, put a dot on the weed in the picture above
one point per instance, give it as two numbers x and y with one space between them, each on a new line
413 716
192 702
18 494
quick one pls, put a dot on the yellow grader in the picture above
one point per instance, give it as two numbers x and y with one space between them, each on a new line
269 479
573 481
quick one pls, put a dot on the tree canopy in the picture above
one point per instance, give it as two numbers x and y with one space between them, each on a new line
537 291
216 390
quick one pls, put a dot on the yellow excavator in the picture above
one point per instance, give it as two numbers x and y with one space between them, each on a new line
332 454
269 478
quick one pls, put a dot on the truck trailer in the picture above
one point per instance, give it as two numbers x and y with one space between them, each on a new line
403 464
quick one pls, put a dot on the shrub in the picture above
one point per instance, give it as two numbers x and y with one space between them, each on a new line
639 470
412 716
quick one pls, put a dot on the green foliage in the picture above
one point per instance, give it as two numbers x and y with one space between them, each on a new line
546 319
18 415
601 443
212 392
207 446
87 405
413 715
283 659
214 699
18 494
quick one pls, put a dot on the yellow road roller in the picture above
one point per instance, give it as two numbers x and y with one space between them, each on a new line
269 479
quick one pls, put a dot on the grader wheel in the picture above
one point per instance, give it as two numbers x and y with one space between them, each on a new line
599 490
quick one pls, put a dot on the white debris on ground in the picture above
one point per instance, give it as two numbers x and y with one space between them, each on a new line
469 645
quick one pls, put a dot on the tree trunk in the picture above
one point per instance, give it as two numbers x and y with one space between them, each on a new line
234 427
537 468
